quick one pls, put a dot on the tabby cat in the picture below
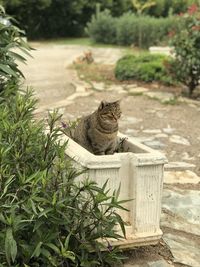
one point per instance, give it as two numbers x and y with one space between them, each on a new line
97 132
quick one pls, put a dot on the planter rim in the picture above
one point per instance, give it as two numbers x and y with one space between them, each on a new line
89 160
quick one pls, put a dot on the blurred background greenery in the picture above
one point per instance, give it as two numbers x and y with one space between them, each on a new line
44 19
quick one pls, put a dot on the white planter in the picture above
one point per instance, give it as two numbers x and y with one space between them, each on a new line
140 173
163 50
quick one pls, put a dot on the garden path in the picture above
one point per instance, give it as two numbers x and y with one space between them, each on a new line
46 71
172 129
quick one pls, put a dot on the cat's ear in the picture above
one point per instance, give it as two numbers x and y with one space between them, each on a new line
102 105
118 101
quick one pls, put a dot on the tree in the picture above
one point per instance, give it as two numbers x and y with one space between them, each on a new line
140 5
186 42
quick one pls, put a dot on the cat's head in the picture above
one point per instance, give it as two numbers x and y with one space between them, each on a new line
110 111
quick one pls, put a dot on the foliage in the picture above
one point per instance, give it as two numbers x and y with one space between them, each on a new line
102 28
129 29
164 8
186 65
64 18
145 67
69 127
58 18
11 43
140 6
46 217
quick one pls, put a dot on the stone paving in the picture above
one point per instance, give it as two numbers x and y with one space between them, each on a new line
58 87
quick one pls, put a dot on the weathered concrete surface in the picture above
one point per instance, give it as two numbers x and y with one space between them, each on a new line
48 73
181 210
181 177
158 263
185 250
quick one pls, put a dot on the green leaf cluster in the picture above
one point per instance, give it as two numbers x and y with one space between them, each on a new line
186 42
129 29
47 217
12 48
145 67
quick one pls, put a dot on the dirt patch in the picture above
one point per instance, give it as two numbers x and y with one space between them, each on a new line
149 253
96 72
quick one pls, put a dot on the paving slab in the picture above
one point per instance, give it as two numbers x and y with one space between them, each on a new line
185 250
181 210
162 96
146 263
181 177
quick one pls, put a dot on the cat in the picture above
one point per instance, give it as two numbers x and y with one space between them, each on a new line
86 58
97 132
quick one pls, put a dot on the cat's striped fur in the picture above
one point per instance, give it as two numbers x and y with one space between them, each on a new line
98 132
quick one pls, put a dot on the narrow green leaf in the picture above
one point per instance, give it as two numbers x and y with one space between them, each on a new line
10 246
121 223
8 70
37 251
17 56
52 246
66 244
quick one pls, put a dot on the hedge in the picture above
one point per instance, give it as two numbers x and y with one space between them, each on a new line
145 67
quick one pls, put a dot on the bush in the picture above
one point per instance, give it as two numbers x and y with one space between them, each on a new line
102 28
186 65
59 18
129 29
47 217
164 8
145 68
11 39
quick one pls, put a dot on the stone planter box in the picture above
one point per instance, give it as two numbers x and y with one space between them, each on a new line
140 173
163 50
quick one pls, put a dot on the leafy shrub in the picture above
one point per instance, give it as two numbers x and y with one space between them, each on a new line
102 28
11 38
61 17
164 8
68 18
145 68
186 65
128 29
46 217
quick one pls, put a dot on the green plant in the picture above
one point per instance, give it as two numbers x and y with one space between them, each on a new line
129 29
141 6
10 43
69 127
145 67
47 218
186 65
102 27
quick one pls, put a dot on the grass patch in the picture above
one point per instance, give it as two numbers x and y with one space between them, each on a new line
96 73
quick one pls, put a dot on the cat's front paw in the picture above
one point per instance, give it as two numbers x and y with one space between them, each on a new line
99 153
